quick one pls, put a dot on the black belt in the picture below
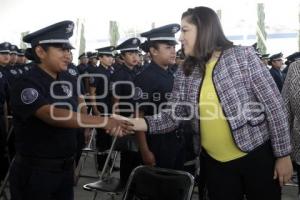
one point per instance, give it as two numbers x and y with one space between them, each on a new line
65 164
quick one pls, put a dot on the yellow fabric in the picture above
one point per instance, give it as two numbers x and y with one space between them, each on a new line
216 136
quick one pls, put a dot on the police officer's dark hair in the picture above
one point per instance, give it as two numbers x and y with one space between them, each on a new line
155 44
31 54
210 37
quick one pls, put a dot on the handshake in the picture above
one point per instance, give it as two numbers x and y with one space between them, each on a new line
119 126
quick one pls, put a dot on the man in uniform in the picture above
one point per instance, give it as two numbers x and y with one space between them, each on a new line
264 59
276 63
4 59
153 88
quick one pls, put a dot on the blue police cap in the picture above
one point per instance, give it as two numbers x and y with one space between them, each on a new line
5 47
277 56
106 50
131 44
91 55
53 34
293 57
83 55
13 49
21 52
163 33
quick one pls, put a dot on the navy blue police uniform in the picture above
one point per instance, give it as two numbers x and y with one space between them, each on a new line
125 90
154 85
44 162
102 84
276 73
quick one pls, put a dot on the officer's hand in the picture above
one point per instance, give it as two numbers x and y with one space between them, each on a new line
148 157
118 127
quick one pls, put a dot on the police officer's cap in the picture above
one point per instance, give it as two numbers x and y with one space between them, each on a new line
21 52
58 33
277 56
131 44
106 50
5 47
13 49
293 57
83 55
163 33
92 55
264 56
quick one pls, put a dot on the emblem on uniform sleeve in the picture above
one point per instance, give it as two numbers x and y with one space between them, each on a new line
29 95
138 93
1 75
66 90
72 72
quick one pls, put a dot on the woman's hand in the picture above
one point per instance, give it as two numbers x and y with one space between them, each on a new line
283 170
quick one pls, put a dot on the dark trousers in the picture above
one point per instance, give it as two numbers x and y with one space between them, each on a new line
297 168
168 150
103 142
35 184
3 154
251 175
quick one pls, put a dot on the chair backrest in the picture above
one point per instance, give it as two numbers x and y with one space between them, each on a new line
151 183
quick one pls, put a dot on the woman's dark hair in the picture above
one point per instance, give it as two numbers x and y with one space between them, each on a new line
31 55
210 37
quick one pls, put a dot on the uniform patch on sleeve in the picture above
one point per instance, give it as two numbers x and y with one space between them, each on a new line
138 92
29 95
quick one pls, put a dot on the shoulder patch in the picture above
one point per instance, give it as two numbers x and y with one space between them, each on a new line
138 93
29 95
72 72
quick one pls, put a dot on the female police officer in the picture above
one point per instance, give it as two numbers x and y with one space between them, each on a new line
44 105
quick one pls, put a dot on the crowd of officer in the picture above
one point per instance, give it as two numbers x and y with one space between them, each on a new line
112 79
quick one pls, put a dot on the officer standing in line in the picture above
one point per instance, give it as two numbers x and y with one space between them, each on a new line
276 63
47 110
123 103
83 63
154 85
99 86
264 59
4 59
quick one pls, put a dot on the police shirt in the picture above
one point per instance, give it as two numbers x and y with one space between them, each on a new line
34 137
153 85
123 87
102 84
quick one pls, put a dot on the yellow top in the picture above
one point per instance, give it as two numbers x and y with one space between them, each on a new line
216 137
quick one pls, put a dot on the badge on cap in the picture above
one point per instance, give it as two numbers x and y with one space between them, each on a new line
69 29
175 29
29 95
134 41
6 44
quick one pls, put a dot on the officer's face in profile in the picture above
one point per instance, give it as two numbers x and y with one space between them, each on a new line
106 60
131 58
188 36
164 54
13 58
55 58
4 58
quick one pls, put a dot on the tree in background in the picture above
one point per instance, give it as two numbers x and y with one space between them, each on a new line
113 33
260 29
22 44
